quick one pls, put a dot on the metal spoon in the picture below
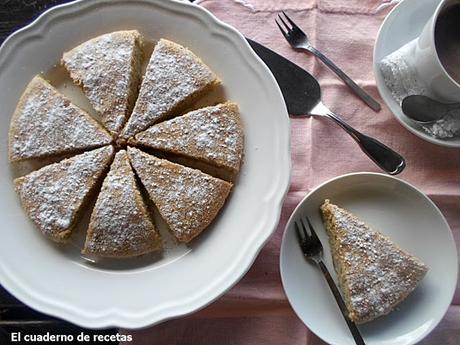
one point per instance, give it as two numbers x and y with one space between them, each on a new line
426 110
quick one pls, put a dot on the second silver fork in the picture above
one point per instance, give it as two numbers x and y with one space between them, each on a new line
299 40
312 249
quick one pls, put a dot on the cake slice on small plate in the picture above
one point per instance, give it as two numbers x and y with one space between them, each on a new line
375 275
45 124
187 199
175 77
55 195
120 225
108 68
213 135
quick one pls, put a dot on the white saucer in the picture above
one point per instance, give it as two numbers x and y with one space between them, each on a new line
404 23
405 215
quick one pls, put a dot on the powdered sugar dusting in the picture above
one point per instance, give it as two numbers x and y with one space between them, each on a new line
46 123
103 66
187 199
120 225
446 127
377 273
212 134
54 195
174 75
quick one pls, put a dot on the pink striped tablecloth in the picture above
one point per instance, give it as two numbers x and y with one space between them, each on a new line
256 310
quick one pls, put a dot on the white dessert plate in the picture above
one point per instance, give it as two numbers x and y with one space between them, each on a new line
138 293
404 23
405 215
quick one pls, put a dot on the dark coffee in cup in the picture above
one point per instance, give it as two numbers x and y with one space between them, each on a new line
447 40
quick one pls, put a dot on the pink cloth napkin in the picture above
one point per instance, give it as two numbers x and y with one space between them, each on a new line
256 310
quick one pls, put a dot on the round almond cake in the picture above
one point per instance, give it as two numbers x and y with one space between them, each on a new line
149 147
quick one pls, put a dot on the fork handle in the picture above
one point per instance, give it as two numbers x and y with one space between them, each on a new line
371 102
343 308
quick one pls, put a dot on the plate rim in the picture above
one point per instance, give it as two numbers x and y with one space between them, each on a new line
373 174
383 89
114 317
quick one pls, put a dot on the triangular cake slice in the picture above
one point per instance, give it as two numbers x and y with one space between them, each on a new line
108 69
213 135
45 123
120 224
174 78
55 195
374 274
187 199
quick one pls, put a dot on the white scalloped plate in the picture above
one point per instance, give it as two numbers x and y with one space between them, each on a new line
55 282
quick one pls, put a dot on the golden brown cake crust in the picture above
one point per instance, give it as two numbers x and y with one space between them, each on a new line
45 123
108 69
213 135
54 195
175 77
187 199
120 225
374 274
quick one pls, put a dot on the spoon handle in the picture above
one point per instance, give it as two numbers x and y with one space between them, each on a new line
387 159
453 106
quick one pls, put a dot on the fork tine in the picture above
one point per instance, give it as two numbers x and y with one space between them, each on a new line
282 30
304 230
284 23
300 236
294 25
313 232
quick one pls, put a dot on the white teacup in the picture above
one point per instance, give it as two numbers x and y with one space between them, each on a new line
427 64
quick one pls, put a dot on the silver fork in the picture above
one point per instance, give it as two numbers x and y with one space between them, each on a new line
299 40
312 249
